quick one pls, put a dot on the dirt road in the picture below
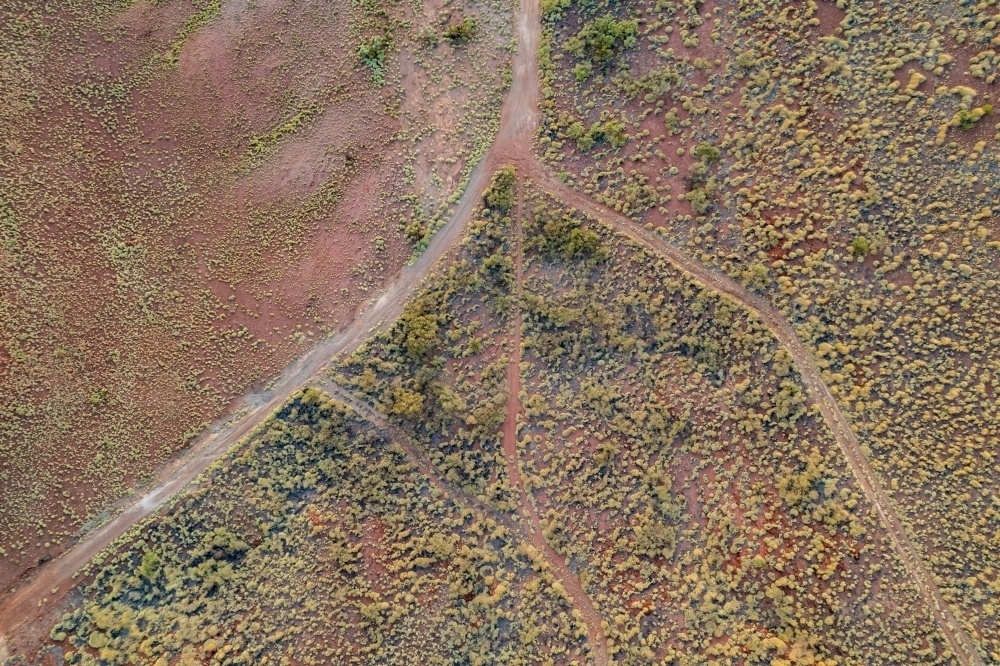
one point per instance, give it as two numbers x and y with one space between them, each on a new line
529 531
959 640
513 144
25 606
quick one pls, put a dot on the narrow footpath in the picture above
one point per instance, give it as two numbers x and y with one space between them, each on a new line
526 506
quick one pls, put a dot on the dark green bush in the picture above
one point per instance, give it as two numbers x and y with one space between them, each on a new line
465 31
372 53
602 39
501 193
707 152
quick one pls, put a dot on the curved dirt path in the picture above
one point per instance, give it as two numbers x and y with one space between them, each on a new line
26 604
518 120
958 639
526 505
423 463
513 144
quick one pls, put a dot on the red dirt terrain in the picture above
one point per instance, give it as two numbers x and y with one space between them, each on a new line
193 195
513 146
22 610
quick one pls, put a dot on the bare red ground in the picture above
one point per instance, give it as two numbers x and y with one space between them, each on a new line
240 255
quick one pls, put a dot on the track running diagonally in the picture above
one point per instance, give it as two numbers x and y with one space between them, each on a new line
513 144
518 119
958 639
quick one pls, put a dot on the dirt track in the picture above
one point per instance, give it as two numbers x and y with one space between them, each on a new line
959 641
517 123
513 145
526 505
529 531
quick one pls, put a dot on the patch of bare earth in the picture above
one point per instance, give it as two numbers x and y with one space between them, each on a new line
175 232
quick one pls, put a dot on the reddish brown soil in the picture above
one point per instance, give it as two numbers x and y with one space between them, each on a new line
519 116
24 614
281 247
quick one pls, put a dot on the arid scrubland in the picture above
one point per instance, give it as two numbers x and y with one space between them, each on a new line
319 542
841 159
572 450
665 443
680 465
193 192
440 371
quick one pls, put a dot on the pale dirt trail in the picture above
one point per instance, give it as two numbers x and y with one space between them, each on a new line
23 606
518 119
526 505
958 639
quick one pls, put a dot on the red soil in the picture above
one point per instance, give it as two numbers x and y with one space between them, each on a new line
223 244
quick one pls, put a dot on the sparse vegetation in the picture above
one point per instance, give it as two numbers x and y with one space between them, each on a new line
570 449
852 189
169 195
318 540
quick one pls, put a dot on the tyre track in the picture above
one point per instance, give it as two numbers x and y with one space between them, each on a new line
526 505
513 144
423 463
529 532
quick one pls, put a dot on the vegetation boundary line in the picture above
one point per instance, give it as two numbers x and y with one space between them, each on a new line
26 603
518 120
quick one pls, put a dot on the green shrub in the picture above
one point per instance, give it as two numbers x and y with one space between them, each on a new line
860 246
428 35
672 122
700 201
755 276
966 119
500 195
707 152
746 59
554 8
465 31
653 84
149 568
372 53
612 131
602 39
562 235
420 331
